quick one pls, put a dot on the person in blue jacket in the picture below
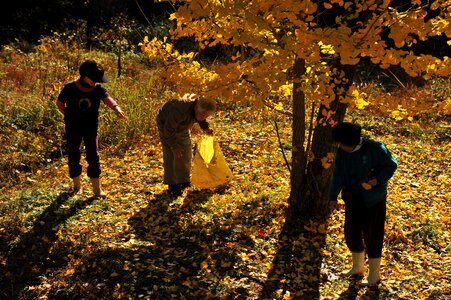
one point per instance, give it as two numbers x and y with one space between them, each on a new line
361 172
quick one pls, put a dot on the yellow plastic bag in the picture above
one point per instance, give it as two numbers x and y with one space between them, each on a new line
206 148
210 169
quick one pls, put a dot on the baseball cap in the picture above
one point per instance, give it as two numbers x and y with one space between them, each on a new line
94 71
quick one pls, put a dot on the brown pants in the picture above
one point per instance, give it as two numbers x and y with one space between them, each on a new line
364 227
177 170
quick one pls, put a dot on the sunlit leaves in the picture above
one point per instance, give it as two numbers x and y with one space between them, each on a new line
328 160
400 114
359 100
276 32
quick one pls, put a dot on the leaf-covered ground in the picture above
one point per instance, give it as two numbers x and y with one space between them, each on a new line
138 243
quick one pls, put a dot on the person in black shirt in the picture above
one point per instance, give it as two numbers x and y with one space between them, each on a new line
79 101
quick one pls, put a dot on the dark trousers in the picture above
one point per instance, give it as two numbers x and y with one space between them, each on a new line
90 138
364 227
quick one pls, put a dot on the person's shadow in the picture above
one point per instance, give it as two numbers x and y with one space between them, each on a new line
353 289
352 292
169 255
32 254
177 252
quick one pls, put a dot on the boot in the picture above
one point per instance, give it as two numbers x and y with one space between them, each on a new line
97 190
374 276
174 190
358 262
76 185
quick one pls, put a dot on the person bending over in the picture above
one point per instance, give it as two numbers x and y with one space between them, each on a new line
175 120
361 172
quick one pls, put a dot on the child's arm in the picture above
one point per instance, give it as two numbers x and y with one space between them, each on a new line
111 103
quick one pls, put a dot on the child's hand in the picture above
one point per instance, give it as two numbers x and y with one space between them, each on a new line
369 184
372 182
119 112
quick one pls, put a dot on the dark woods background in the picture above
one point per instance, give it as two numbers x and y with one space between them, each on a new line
26 21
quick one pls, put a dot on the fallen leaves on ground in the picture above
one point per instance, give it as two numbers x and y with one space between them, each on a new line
227 243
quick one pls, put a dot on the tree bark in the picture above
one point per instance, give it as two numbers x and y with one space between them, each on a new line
298 157
316 184
315 189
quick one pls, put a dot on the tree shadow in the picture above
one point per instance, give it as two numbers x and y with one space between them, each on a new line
297 264
34 252
169 256
162 260
184 253
180 249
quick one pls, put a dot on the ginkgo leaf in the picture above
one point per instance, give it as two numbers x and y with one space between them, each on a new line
204 265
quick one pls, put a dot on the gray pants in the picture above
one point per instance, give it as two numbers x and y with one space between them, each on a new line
178 170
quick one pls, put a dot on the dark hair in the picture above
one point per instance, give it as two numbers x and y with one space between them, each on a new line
93 70
347 133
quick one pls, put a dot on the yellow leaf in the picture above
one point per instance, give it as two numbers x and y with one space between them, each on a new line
279 106
366 186
69 272
358 100
287 296
204 265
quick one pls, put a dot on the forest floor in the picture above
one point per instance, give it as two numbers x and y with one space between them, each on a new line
139 243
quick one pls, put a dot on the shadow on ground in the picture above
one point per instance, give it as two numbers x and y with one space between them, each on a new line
35 253
170 256
297 265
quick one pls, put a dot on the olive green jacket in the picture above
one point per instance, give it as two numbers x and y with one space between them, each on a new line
175 117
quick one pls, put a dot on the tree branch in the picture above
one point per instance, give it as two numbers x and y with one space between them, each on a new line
280 145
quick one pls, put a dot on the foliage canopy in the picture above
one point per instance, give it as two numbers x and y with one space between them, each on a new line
265 36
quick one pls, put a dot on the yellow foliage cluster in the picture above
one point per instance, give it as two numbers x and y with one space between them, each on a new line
273 33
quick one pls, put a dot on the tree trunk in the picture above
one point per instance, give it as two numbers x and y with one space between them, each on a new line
316 184
298 157
310 181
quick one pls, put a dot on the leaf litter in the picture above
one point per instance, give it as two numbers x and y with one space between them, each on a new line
228 243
